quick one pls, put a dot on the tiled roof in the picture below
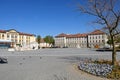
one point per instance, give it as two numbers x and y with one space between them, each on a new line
96 32
61 35
71 35
76 35
2 31
21 33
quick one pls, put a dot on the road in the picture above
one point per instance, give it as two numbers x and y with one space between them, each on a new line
48 64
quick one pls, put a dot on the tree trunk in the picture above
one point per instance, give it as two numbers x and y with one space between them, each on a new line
114 61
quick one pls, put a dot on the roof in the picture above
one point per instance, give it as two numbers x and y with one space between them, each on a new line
61 35
11 29
21 33
96 32
2 31
71 35
76 35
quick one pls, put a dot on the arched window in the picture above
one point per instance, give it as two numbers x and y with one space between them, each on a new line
2 35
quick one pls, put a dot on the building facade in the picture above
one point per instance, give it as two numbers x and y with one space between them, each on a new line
96 38
17 38
74 40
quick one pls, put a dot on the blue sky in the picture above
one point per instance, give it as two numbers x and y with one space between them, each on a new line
43 17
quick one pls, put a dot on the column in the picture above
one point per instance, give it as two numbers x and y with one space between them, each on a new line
10 37
65 41
24 40
17 38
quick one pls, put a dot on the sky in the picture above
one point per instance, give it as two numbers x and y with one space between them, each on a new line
43 17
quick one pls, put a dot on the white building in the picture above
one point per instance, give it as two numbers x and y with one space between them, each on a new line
76 40
96 39
60 40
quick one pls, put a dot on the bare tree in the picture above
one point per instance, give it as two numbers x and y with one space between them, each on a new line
107 13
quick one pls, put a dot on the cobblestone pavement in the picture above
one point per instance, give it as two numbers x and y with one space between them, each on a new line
48 64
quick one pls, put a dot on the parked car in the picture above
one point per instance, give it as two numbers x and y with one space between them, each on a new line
104 49
65 46
55 47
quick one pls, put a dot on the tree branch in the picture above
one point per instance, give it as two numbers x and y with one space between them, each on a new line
116 23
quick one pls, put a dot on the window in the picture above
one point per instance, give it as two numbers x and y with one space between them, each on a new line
16 36
102 36
8 36
99 36
15 40
12 40
3 35
12 36
102 40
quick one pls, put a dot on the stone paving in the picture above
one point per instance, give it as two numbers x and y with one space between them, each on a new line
48 64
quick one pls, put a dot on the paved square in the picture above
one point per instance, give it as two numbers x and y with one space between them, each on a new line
48 64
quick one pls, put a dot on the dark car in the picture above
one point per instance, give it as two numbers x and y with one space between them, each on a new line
55 47
3 60
104 49
65 46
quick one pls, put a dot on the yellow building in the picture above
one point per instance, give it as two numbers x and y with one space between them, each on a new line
17 38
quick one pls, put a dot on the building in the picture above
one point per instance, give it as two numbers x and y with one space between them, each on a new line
16 38
96 38
60 40
71 40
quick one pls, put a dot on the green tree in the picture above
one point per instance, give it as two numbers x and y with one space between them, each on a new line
107 13
38 39
49 39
